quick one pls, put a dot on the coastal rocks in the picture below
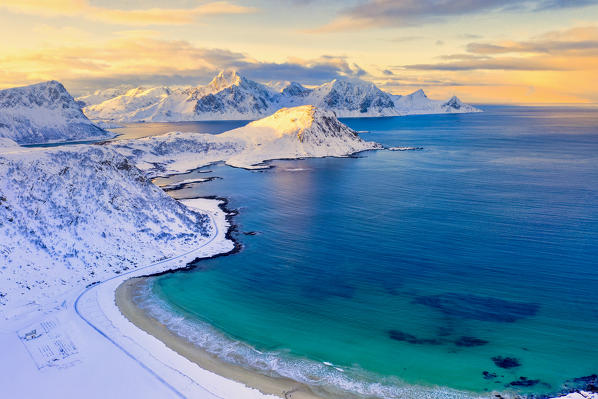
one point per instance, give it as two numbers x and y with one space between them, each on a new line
475 307
588 383
506 362
405 148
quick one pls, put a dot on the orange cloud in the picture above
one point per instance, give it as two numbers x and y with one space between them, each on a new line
141 17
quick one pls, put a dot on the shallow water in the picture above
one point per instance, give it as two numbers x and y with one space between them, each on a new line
413 269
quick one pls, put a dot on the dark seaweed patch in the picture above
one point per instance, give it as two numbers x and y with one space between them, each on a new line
412 339
470 341
506 362
478 307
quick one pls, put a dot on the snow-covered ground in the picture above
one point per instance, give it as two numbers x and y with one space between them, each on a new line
230 96
80 345
43 113
74 215
298 132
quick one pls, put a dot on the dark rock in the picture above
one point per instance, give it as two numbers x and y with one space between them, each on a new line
470 341
412 339
475 307
506 362
524 382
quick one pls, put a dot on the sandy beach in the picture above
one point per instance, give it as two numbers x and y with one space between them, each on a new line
282 387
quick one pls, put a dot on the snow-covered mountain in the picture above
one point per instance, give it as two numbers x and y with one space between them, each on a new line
44 112
231 96
78 214
299 132
418 103
347 98
102 95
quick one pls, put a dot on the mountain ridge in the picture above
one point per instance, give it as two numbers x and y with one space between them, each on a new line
232 96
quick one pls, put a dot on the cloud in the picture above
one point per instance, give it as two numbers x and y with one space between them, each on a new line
135 17
388 13
503 64
582 40
107 63
566 50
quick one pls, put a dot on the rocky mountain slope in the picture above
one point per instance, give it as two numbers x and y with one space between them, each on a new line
73 215
42 113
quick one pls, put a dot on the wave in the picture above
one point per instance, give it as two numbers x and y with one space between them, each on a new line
324 378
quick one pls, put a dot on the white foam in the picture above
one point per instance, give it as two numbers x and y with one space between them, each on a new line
323 377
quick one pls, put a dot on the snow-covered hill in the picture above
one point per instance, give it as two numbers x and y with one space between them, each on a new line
42 113
73 215
299 132
230 96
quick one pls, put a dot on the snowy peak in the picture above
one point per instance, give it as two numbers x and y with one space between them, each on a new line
225 79
51 94
298 132
44 112
295 89
231 96
300 122
353 98
454 102
419 94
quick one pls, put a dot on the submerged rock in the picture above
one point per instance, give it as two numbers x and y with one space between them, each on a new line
412 339
488 375
470 341
524 382
506 362
475 307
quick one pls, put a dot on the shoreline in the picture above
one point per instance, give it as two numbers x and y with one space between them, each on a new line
285 388
268 386
281 387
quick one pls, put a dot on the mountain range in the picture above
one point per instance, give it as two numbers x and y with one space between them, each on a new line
230 96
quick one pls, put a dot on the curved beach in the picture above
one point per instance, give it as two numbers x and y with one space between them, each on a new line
284 388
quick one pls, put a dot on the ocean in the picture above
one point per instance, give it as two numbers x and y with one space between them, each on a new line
464 268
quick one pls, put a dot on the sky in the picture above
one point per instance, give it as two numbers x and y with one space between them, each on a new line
484 51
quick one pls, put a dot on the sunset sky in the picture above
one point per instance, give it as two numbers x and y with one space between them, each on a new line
484 51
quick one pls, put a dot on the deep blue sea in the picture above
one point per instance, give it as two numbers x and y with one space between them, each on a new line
468 267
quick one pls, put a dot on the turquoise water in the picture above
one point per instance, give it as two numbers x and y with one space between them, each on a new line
410 272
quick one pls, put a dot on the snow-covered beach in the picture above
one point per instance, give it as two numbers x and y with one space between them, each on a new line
104 345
